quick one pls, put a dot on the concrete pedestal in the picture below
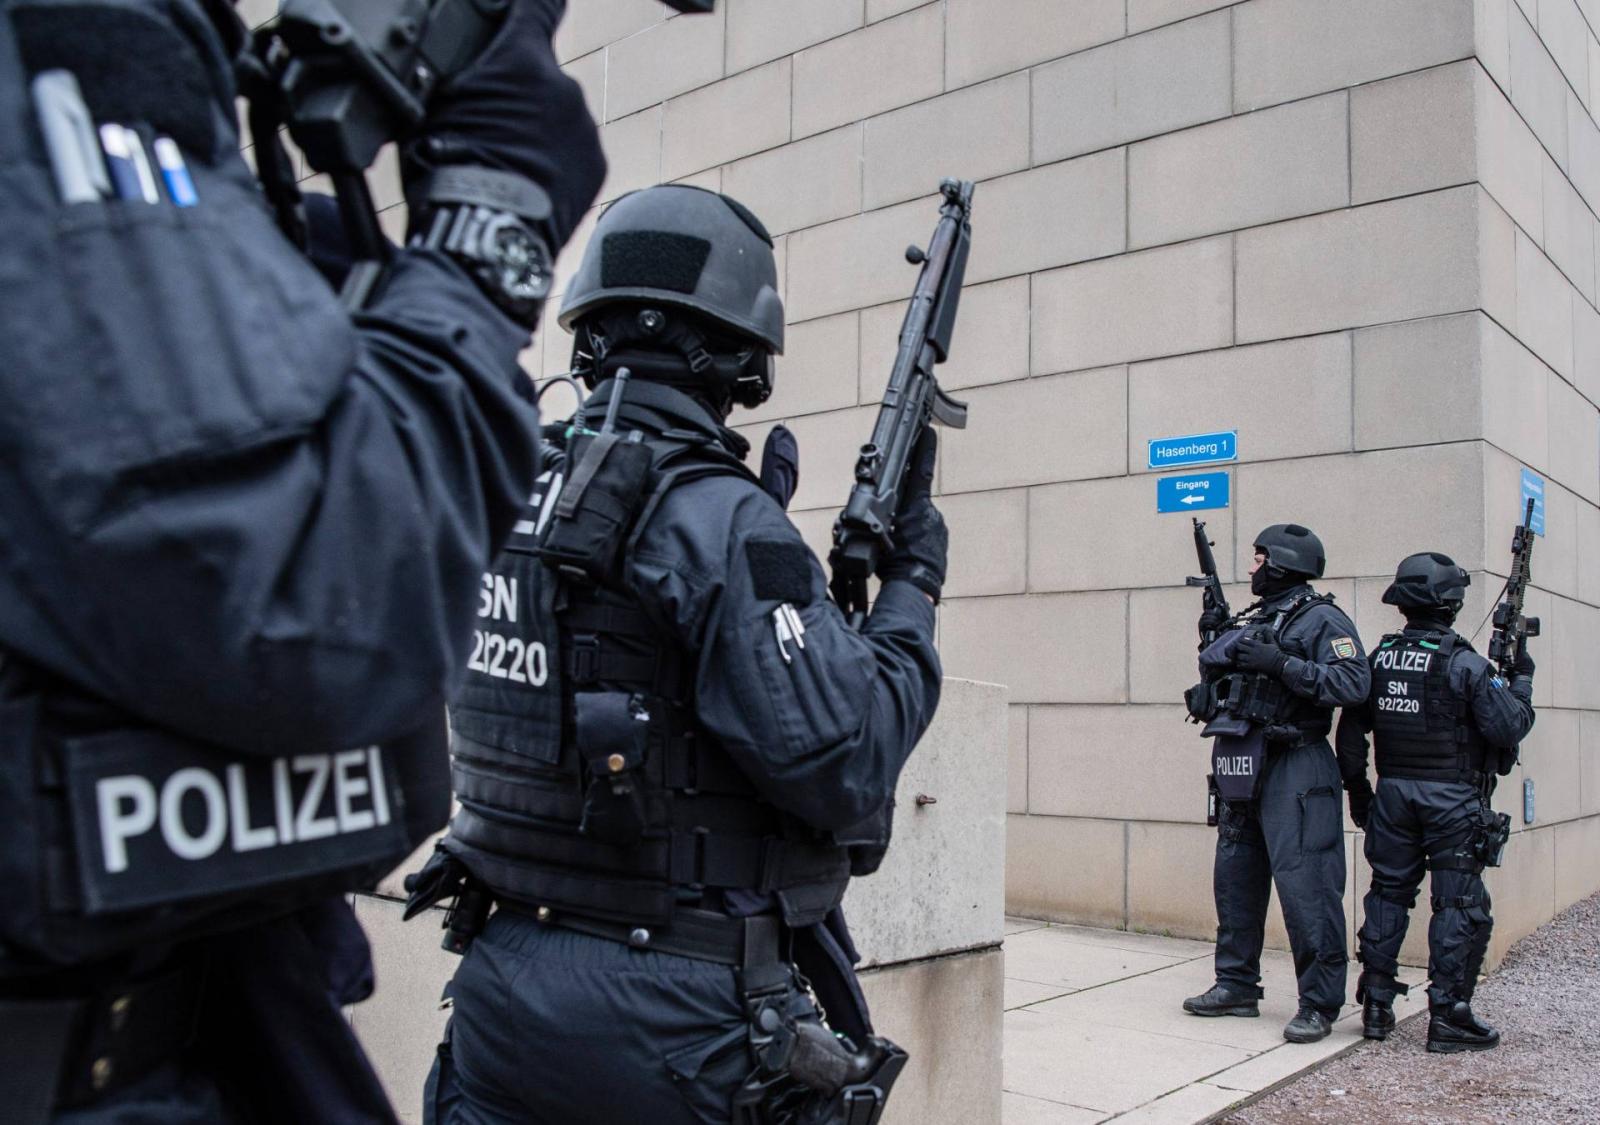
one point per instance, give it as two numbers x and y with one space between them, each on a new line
928 923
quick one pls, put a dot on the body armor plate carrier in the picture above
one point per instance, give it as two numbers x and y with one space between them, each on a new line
586 785
1420 728
1257 697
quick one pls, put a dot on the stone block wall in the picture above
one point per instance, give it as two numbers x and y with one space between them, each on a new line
1362 233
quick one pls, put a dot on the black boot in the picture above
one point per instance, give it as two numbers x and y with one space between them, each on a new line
1377 1018
1375 992
1221 1000
1308 1026
1454 1028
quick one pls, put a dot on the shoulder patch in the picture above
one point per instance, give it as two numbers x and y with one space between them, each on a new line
780 569
1344 648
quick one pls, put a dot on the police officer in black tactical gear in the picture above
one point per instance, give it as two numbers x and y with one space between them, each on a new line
1270 684
1444 724
673 752
241 538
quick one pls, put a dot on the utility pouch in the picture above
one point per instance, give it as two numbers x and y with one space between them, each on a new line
1489 844
1201 700
1213 801
868 841
597 506
1506 759
1252 696
613 735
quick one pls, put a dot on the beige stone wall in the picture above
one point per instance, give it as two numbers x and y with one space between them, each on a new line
1360 232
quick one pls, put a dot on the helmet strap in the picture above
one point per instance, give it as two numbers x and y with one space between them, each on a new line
742 377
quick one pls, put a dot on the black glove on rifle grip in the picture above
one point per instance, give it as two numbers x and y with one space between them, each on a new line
920 542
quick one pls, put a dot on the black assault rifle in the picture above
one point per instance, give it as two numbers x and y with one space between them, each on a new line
912 399
347 77
1213 601
1511 629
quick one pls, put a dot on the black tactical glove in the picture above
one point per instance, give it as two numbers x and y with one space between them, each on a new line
1212 621
1524 665
780 465
1258 652
1360 792
514 110
920 542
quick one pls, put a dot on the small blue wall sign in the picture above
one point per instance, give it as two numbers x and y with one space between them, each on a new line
1192 492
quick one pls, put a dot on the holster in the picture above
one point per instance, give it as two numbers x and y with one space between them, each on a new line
1490 837
809 1072
446 877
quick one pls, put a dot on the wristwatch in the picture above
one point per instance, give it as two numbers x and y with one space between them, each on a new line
492 222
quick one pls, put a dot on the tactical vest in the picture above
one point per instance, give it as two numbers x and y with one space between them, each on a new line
1420 727
1260 698
115 835
585 783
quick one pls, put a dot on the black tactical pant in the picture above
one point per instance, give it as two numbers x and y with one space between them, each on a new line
1416 825
1291 834
552 1027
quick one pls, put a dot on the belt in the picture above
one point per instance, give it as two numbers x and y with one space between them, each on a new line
67 1051
703 935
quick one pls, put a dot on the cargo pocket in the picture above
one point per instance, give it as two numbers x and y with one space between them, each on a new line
1320 819
707 1074
182 334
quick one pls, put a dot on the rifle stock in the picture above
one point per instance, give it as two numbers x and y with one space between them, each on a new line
912 400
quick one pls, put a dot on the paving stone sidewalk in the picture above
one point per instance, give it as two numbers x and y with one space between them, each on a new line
1095 1031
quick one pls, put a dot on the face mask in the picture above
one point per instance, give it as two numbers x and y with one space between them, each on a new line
1264 582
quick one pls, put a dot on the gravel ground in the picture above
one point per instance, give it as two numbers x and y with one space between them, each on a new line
1544 998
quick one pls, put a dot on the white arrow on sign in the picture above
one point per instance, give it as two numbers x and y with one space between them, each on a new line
1192 500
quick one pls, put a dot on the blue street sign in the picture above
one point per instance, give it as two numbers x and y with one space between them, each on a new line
1532 489
1192 492
1194 449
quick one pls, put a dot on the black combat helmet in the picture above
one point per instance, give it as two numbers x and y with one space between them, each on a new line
1292 549
1426 581
670 250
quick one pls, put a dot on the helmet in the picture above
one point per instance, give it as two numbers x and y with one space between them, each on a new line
682 247
1427 580
675 249
1292 549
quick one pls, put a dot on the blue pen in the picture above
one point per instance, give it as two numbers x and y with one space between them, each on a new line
141 166
119 162
175 173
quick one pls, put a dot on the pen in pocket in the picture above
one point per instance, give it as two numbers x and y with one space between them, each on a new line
119 162
142 167
175 173
68 133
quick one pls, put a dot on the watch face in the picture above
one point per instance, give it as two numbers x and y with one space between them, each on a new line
522 263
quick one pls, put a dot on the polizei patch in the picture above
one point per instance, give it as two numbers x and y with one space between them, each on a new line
1344 648
158 820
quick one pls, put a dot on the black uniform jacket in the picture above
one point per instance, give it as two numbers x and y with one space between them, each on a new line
820 717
